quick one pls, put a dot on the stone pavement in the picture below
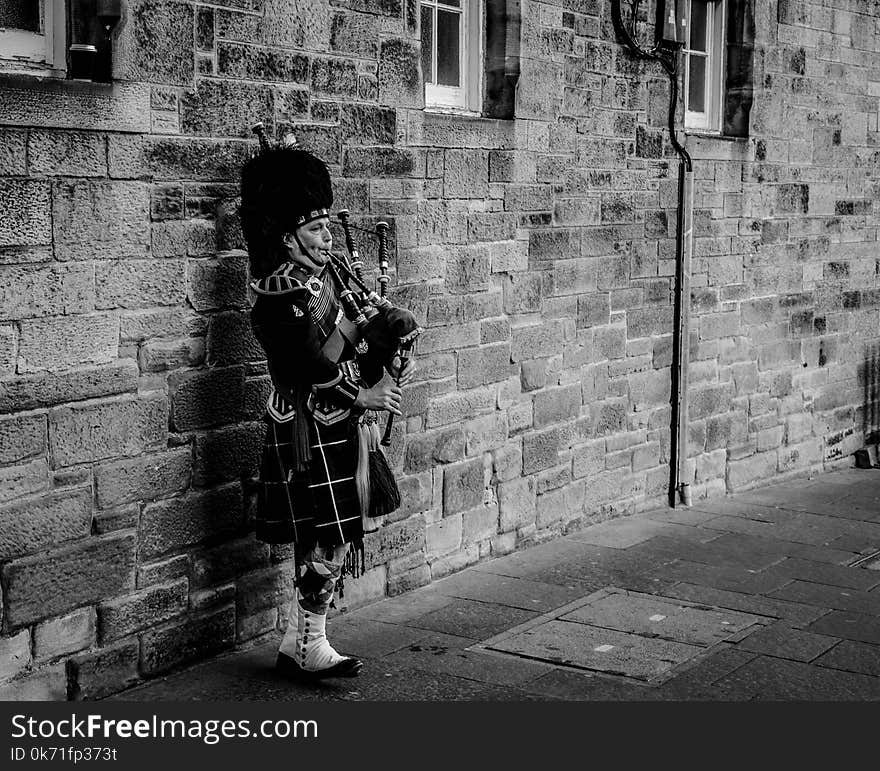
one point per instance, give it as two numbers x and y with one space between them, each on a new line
772 594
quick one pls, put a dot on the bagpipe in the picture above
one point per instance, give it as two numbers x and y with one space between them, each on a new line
390 333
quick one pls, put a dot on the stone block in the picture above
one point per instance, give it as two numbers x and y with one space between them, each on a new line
140 283
409 580
229 453
207 397
256 63
710 400
467 269
163 571
479 524
393 541
104 672
163 355
15 654
22 436
67 153
557 404
609 416
97 430
50 584
8 340
68 634
538 341
356 34
182 238
46 684
218 283
399 81
47 389
593 309
162 649
466 174
24 479
27 213
58 343
745 472
485 433
443 537
483 365
156 43
442 446
364 124
335 77
463 486
146 477
588 460
228 561
231 340
141 610
226 108
517 504
381 162
13 153
541 450
523 292
29 291
507 461
40 522
176 158
110 218
189 519
455 407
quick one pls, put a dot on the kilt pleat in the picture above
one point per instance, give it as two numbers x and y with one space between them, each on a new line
318 505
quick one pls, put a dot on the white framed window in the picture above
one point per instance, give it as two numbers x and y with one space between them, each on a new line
32 36
704 64
452 42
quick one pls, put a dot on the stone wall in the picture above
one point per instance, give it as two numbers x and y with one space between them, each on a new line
538 251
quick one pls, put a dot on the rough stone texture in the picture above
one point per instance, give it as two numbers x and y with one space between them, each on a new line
65 635
31 524
44 586
122 617
538 252
106 429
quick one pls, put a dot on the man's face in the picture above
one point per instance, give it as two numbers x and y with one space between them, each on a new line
316 241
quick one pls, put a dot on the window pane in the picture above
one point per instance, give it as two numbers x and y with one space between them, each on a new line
20 14
448 48
453 3
698 26
697 84
427 43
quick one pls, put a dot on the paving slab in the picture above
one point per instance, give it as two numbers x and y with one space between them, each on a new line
445 653
572 685
852 657
400 609
796 614
783 641
504 590
621 534
775 679
364 637
833 597
658 617
824 573
776 550
698 679
849 626
469 618
732 578
602 650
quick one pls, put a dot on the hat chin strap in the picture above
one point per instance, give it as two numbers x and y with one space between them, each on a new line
304 252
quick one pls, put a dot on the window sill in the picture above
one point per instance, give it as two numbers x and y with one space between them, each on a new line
700 134
461 112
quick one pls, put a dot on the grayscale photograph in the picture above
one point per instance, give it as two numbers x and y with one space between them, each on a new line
433 351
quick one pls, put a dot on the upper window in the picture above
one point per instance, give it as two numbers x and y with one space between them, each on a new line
704 64
32 36
718 58
451 53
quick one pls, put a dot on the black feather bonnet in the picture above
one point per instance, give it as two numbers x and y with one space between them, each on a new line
282 188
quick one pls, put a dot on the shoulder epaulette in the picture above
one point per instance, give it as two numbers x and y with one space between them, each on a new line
287 279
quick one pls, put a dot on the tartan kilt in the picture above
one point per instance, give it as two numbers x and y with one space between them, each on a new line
319 505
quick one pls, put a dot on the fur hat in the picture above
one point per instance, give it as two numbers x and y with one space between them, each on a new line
282 188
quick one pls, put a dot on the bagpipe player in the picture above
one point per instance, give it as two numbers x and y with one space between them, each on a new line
324 385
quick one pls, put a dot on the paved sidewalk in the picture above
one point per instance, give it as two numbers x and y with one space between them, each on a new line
769 594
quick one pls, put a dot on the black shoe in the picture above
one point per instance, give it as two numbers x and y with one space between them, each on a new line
348 667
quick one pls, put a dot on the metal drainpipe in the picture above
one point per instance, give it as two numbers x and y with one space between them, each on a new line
669 59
